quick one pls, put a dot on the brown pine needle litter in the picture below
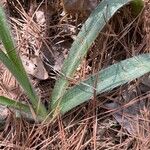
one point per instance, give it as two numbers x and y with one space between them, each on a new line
45 30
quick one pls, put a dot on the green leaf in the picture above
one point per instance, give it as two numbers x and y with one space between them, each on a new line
13 62
14 104
8 42
137 6
107 79
90 30
19 107
37 106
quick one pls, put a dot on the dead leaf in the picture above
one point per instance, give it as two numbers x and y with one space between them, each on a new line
34 66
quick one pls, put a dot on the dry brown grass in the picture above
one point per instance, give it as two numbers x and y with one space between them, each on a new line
90 126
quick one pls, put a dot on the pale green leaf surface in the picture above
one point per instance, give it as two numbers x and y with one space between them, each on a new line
109 78
90 30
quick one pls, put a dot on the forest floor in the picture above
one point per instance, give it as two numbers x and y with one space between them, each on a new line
43 33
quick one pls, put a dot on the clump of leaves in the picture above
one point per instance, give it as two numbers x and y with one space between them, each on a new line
64 100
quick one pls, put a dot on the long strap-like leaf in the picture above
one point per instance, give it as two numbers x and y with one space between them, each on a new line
107 79
21 78
14 104
14 64
90 30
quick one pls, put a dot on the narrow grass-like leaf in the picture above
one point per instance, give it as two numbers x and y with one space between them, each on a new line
14 104
13 62
8 42
26 85
19 107
90 30
107 79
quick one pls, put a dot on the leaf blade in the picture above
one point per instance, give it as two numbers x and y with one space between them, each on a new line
109 78
37 106
90 30
14 64
14 104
